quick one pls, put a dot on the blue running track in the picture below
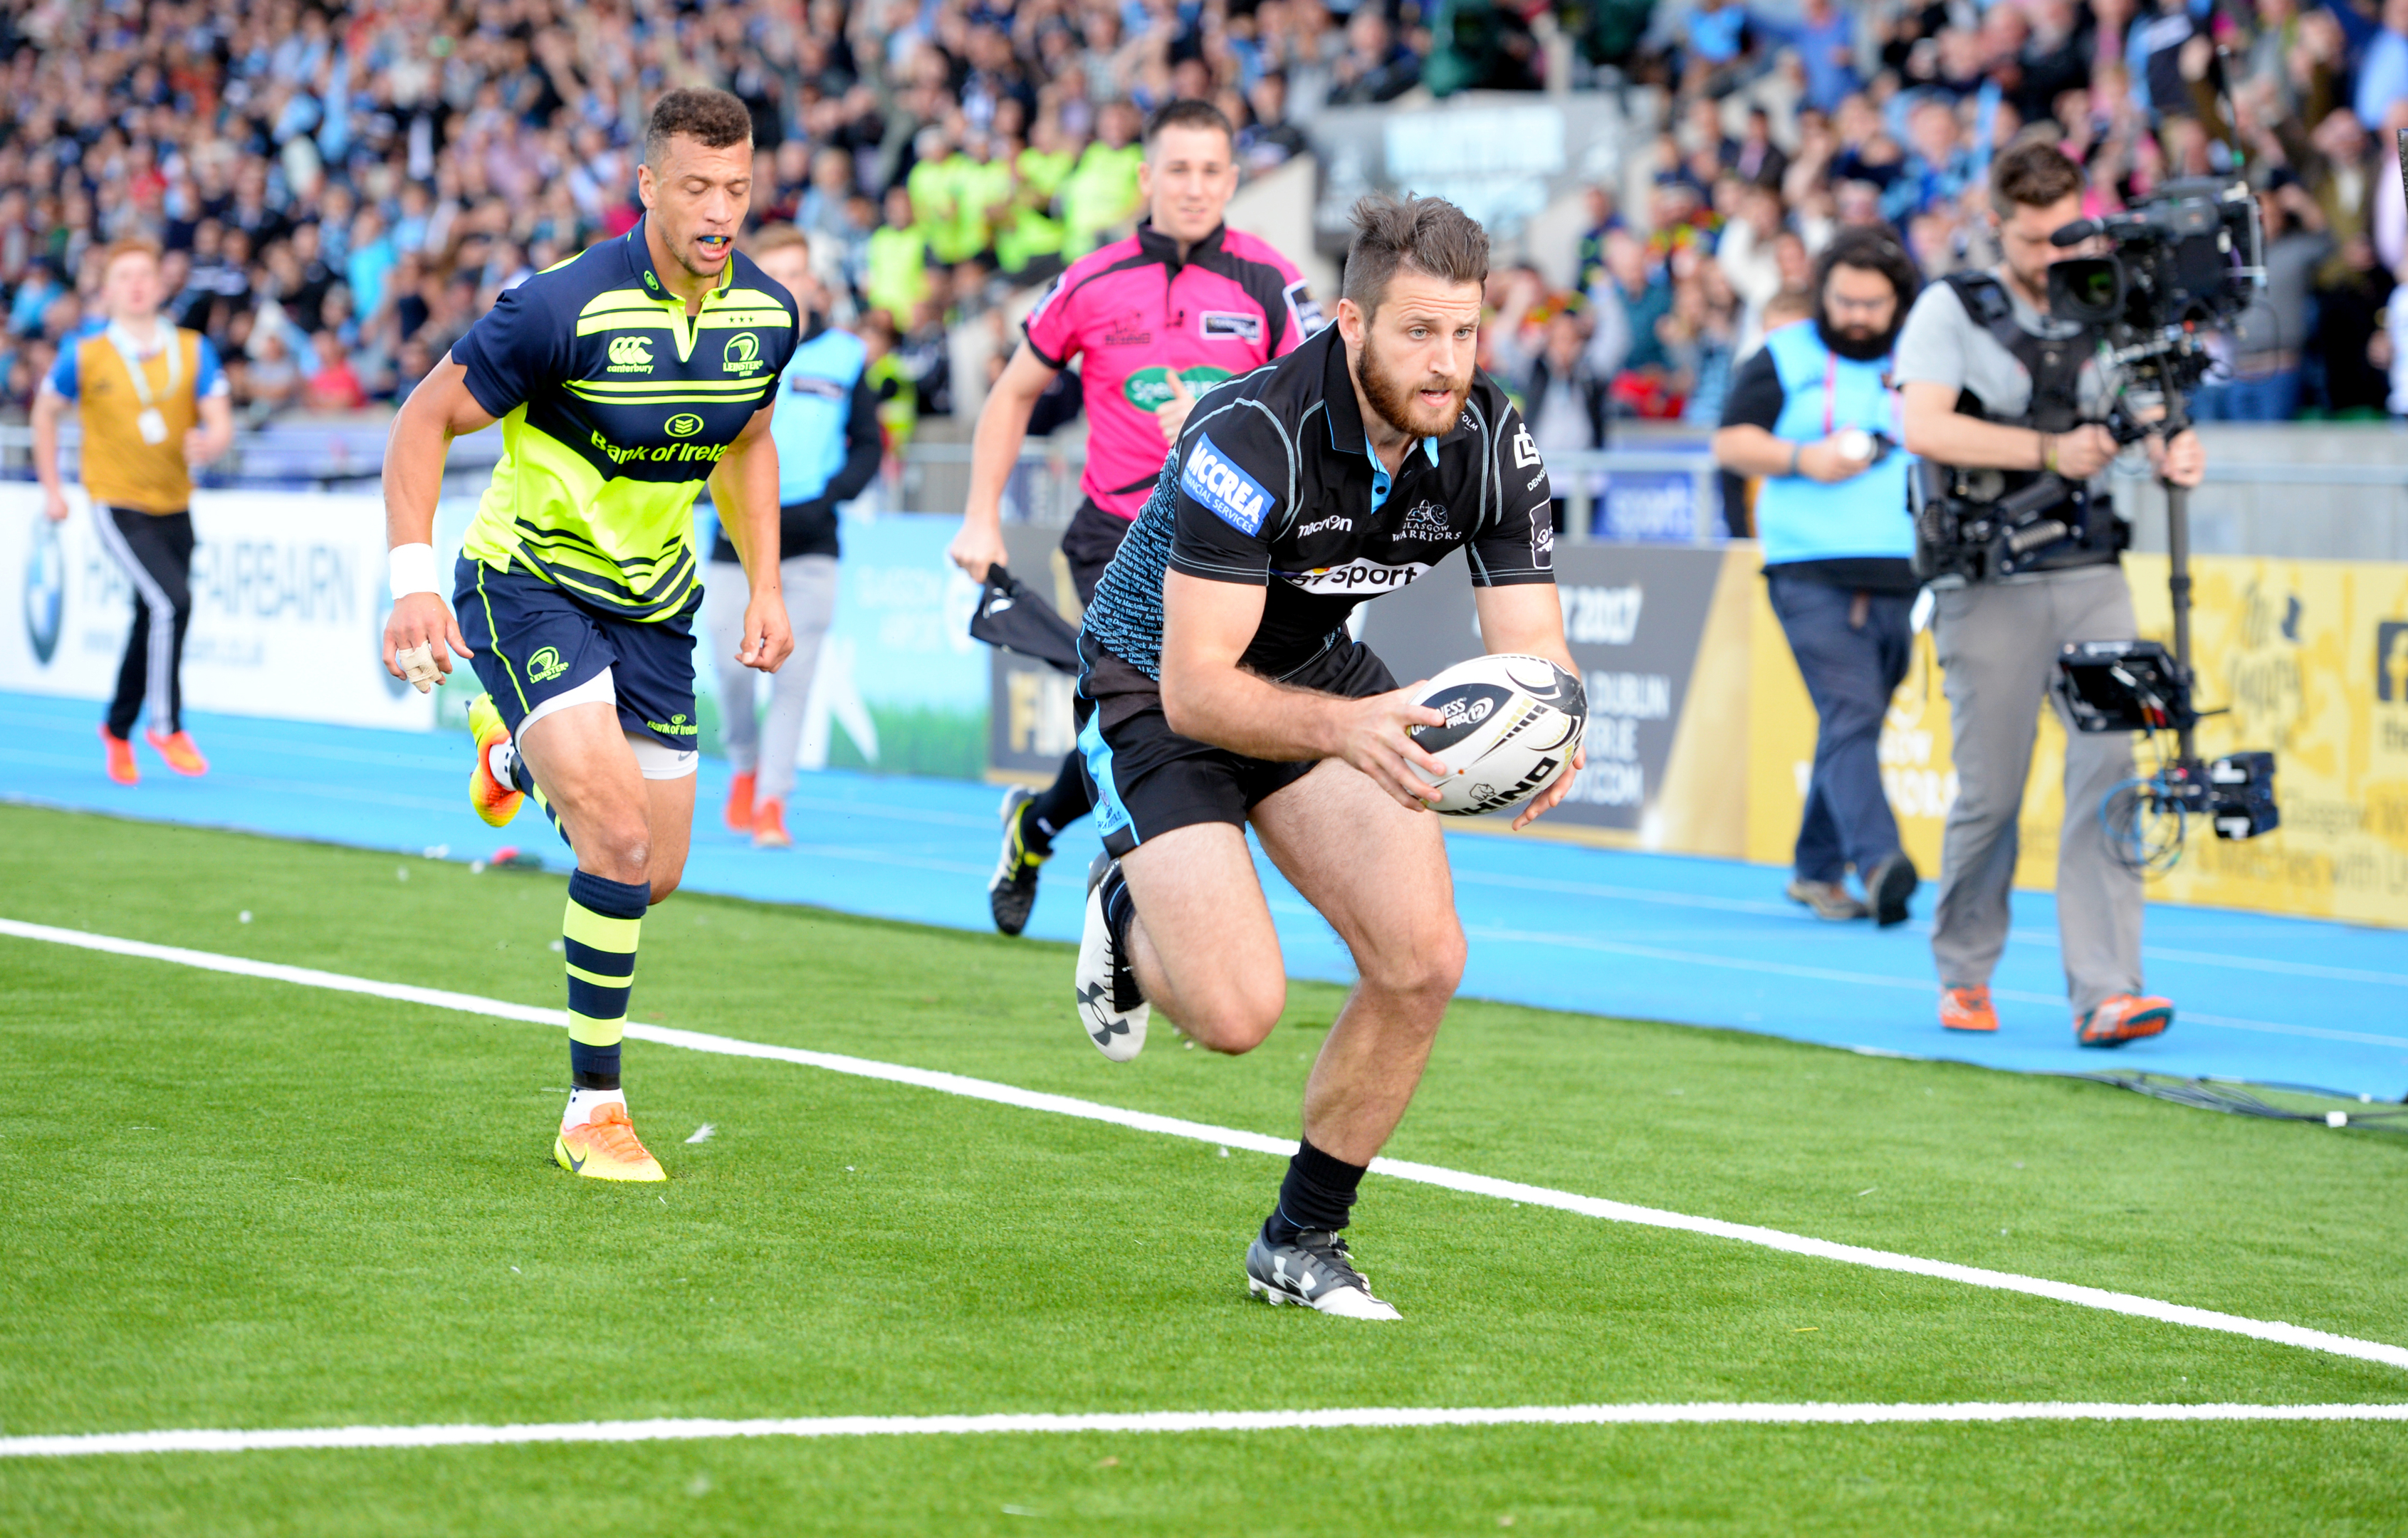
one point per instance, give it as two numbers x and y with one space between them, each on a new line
1658 937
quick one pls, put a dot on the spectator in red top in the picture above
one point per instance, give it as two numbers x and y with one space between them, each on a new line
333 385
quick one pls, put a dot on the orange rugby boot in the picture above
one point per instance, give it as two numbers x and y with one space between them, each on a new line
2124 1017
607 1148
740 803
495 800
122 766
769 826
1966 1009
178 749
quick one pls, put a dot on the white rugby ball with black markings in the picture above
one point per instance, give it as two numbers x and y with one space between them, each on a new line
1512 725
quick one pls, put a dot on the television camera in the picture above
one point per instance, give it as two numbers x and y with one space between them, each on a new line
2183 263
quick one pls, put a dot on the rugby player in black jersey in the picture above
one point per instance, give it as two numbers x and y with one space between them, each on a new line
1227 691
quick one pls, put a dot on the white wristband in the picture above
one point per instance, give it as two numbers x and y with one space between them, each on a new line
412 569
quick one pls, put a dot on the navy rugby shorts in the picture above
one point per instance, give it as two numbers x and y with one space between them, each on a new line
533 642
1150 779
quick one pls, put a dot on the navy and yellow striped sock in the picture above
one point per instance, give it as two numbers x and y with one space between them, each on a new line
599 935
524 778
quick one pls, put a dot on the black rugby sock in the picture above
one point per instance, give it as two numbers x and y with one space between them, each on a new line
1120 909
1316 1195
1069 798
1120 912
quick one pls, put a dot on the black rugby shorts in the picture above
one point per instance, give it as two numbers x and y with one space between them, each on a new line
1150 779
1089 544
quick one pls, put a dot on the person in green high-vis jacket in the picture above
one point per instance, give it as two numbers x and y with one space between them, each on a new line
898 259
1101 189
1046 162
934 186
981 182
1038 172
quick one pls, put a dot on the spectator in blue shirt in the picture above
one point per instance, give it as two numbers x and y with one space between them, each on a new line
1825 37
1717 32
372 261
2383 74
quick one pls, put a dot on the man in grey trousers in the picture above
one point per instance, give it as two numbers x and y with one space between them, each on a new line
825 426
1990 381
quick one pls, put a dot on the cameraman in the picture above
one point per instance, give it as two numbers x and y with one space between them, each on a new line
1968 360
1811 413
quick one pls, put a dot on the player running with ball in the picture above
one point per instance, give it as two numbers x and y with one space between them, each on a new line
1227 692
622 379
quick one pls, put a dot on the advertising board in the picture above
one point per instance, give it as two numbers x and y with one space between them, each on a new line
2306 659
289 600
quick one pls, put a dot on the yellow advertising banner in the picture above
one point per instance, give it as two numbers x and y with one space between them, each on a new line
2306 659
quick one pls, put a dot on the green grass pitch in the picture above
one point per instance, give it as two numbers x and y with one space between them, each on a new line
227 1203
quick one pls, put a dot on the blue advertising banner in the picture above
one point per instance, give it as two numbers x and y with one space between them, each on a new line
1653 507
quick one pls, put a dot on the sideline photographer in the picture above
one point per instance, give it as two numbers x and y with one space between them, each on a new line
1990 382
1811 413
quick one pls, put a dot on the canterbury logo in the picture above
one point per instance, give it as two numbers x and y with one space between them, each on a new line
631 355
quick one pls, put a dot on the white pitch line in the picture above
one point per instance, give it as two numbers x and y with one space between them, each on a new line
1157 1421
1427 1175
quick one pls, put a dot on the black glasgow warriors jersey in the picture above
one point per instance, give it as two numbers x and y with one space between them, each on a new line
1274 482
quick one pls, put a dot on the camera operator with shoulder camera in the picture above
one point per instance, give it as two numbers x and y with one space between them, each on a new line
2009 401
1812 415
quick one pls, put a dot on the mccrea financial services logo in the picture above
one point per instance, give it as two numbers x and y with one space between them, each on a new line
1228 491
46 590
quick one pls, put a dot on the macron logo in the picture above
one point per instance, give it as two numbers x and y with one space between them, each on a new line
1232 494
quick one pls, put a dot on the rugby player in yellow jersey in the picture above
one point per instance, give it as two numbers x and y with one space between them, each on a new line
624 378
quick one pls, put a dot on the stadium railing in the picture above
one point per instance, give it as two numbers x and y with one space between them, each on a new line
301 453
1662 491
1655 495
1670 494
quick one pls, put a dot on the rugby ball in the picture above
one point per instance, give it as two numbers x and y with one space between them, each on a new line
1512 724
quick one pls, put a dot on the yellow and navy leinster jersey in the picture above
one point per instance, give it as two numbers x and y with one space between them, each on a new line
615 408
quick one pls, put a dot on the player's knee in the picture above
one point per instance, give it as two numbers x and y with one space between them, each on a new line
624 846
1237 1022
1428 970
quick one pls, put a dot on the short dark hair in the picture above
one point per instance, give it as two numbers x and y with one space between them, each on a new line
2032 175
1867 247
712 119
1188 113
1430 235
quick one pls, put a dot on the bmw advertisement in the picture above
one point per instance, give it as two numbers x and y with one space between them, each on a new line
289 599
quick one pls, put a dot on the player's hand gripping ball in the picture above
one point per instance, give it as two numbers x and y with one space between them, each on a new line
1512 725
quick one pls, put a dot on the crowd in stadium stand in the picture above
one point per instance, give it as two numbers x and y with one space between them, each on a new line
343 192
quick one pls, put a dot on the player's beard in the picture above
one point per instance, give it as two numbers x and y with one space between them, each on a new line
1860 343
1397 400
